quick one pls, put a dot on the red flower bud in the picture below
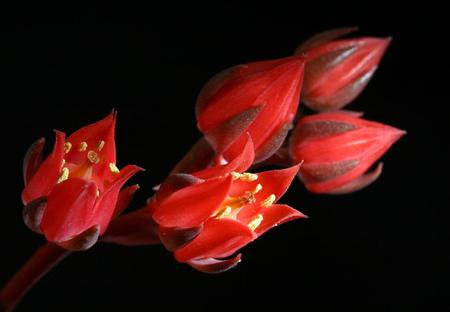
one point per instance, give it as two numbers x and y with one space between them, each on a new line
258 98
72 195
337 71
337 149
209 215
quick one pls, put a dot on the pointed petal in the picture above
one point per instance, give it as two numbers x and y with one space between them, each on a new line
276 215
136 228
69 208
219 239
226 133
32 213
45 178
324 37
175 238
239 164
359 183
274 182
125 197
174 183
32 159
106 203
212 265
191 206
82 241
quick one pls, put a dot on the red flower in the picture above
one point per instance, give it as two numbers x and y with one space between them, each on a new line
209 215
258 98
337 149
72 195
337 71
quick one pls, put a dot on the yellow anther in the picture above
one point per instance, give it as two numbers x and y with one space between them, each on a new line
83 146
67 147
246 176
224 212
258 188
113 168
253 225
100 145
268 201
93 157
64 175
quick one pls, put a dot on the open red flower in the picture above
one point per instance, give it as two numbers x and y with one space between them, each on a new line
337 149
337 71
209 215
258 98
72 195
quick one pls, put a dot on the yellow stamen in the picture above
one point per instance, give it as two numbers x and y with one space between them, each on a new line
83 146
113 168
257 188
224 212
93 157
253 225
67 147
268 201
100 145
246 176
63 176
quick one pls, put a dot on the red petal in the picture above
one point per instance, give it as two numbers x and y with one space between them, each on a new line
45 178
92 134
192 205
239 164
69 209
219 239
172 184
276 215
32 159
125 197
212 265
106 203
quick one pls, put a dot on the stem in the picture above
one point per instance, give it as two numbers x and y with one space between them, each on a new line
42 261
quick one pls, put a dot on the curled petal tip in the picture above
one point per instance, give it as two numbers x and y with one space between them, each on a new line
360 183
214 266
33 159
32 213
82 241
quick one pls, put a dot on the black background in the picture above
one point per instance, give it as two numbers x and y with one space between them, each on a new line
385 248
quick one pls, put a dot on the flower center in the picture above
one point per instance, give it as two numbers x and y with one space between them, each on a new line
232 205
83 170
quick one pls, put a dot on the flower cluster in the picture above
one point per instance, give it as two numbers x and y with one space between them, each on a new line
211 205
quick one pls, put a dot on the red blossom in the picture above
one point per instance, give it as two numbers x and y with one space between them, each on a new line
337 70
258 98
337 149
209 215
77 186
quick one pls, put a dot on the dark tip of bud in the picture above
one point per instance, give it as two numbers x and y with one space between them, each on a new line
32 213
214 266
175 238
360 183
82 241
